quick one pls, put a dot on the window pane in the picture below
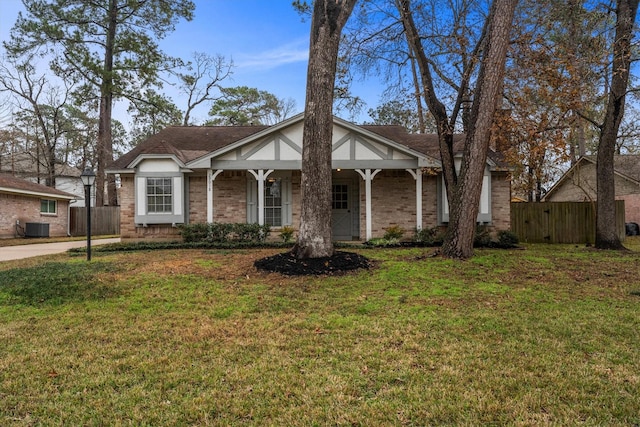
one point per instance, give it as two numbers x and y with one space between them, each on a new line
273 202
48 206
159 195
340 196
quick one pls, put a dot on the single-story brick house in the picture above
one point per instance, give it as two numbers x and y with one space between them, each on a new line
382 176
23 202
578 184
25 165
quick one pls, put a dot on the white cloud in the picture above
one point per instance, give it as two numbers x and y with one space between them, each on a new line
295 51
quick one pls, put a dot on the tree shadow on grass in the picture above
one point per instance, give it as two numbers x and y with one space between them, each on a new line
55 284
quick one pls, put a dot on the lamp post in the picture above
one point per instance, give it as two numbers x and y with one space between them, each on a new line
88 177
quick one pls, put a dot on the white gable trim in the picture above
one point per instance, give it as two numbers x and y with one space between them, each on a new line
143 157
280 147
205 161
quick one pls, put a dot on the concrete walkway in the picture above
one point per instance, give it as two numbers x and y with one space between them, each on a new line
9 253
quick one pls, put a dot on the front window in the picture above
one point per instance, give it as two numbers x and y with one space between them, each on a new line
273 202
159 195
340 196
48 206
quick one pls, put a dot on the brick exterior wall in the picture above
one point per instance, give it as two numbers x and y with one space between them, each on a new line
230 197
501 201
393 203
128 228
197 198
429 201
27 209
127 206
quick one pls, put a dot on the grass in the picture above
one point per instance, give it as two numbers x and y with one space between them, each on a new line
547 335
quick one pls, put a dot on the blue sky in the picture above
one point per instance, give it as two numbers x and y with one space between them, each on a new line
267 40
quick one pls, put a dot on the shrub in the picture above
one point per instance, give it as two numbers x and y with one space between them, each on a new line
482 238
286 234
428 236
219 232
251 232
222 233
395 232
507 239
194 232
381 242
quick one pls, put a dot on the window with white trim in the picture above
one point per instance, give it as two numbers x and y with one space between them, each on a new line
277 199
484 209
159 195
273 202
48 206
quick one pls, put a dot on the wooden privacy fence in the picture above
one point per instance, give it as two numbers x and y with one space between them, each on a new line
105 220
559 222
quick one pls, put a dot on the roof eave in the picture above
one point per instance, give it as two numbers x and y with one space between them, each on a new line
142 157
36 194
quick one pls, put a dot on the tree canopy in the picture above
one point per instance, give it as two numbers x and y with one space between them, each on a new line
110 47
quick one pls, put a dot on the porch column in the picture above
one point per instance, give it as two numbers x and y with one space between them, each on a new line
368 176
260 175
211 176
417 175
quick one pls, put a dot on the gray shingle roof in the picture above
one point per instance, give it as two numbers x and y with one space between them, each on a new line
18 185
624 164
188 143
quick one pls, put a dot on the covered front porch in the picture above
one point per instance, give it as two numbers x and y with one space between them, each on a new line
358 202
271 162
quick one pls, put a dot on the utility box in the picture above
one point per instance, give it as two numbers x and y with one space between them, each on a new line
36 229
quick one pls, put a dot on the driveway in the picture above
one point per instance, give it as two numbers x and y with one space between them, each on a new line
9 253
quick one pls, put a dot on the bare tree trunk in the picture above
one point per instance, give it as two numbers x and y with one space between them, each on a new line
463 191
105 142
464 207
314 236
436 107
606 232
416 83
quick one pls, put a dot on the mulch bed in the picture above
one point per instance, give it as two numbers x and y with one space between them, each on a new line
286 263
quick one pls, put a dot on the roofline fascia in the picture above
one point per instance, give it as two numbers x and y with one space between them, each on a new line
142 157
565 176
120 171
36 193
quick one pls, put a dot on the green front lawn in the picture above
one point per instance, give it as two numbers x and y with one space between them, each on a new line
548 335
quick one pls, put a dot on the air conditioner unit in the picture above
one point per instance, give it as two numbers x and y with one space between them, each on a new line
36 229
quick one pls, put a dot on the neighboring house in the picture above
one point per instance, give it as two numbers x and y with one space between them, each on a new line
34 209
25 166
382 176
578 184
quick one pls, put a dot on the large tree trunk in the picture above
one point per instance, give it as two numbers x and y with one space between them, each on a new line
105 142
466 198
606 230
464 190
314 236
